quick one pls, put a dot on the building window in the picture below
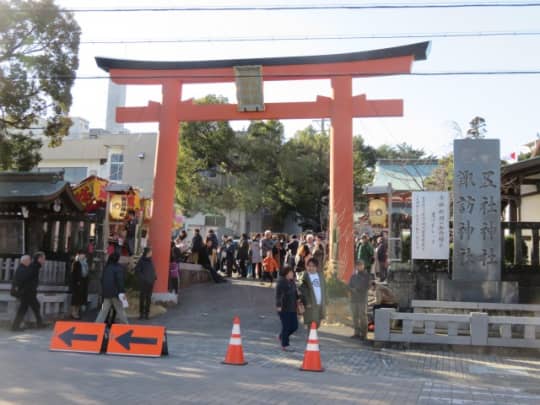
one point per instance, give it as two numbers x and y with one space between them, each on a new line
117 166
214 220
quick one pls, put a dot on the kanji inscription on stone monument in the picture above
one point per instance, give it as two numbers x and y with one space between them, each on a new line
477 229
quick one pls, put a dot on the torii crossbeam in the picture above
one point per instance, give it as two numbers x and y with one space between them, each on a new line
341 108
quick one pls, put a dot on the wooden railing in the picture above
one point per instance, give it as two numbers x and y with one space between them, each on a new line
524 255
52 273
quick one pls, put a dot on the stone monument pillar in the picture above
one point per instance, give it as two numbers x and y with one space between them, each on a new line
477 261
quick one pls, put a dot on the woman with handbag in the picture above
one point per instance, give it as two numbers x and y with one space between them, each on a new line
287 305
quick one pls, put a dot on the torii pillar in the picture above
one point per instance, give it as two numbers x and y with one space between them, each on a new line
341 210
341 109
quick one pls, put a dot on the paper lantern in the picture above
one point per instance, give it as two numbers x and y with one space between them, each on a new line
118 206
377 212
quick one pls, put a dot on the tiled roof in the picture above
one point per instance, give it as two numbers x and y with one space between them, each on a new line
404 174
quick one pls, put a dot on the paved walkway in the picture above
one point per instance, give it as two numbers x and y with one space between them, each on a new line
198 333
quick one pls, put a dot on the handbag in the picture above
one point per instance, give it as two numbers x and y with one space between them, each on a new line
15 291
173 270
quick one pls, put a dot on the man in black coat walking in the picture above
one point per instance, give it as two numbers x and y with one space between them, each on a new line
112 290
146 273
27 280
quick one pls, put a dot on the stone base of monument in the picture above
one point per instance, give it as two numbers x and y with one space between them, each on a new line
478 291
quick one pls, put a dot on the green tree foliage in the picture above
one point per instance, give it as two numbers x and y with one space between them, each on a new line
39 46
205 161
401 151
304 177
442 178
219 169
259 154
365 158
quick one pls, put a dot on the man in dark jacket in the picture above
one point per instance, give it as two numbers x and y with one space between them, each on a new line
243 255
292 246
27 280
214 247
112 284
359 285
146 274
131 232
197 244
267 243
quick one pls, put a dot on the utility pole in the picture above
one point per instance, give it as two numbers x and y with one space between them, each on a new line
321 124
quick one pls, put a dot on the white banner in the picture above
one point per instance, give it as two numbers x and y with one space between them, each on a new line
430 225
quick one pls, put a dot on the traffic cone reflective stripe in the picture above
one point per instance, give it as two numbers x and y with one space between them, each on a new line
312 346
312 355
235 352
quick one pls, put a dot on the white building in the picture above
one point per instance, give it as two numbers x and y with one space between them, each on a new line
120 158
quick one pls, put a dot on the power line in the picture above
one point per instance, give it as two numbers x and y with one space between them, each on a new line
319 38
387 6
307 76
471 34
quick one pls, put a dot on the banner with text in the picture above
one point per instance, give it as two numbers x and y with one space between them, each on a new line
430 225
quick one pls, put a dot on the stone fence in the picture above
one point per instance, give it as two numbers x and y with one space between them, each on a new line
491 308
473 329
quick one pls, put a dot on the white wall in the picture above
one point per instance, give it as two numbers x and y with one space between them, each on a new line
530 208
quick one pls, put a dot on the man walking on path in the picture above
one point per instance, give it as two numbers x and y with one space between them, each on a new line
312 292
359 288
112 284
146 273
27 280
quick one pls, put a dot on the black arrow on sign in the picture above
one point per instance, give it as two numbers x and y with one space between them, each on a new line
127 338
69 336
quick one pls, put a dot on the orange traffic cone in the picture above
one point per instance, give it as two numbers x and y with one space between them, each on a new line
235 353
312 355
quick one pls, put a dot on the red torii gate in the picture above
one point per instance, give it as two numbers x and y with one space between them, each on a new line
341 109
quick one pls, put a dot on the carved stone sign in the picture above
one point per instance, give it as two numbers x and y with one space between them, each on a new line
477 207
476 268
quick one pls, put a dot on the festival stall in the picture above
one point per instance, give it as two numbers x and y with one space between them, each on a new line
110 205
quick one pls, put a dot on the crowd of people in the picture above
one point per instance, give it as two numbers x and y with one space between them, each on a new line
373 252
298 265
258 257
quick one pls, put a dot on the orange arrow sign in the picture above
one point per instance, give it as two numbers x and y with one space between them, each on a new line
136 340
83 337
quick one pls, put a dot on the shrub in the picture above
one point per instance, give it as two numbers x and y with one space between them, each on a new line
335 287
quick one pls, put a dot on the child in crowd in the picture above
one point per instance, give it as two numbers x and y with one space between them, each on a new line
270 267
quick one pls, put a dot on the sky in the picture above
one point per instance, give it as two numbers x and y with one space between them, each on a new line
437 109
